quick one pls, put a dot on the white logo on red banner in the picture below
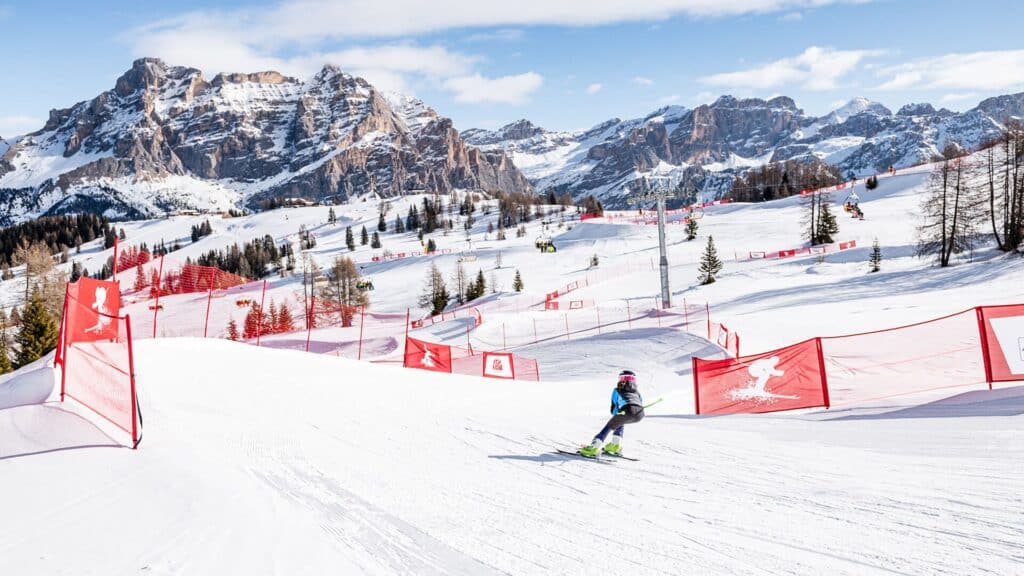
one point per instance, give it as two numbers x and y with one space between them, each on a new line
498 365
762 370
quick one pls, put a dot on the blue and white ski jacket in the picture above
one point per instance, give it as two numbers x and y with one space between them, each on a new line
619 401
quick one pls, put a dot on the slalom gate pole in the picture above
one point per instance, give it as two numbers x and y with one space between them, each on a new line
159 282
209 299
259 321
131 375
362 322
309 320
115 257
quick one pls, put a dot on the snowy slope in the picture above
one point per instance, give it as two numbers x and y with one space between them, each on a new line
272 461
240 472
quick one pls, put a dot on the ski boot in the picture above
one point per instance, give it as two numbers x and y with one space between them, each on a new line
613 448
590 451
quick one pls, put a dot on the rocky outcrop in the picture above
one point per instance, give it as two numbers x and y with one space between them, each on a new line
249 137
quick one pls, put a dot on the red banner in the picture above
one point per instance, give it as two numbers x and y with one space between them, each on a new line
427 355
499 365
785 379
1003 344
94 317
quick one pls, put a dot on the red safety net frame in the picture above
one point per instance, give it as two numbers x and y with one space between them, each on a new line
1002 329
96 356
785 379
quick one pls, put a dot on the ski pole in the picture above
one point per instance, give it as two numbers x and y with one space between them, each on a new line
646 406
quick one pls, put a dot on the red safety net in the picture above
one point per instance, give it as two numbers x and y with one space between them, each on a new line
166 276
784 379
875 367
96 354
1003 344
458 360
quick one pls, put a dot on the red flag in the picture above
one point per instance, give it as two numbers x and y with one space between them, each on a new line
784 379
93 311
427 355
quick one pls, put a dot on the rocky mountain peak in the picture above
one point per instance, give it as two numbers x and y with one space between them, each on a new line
916 109
1004 108
520 130
268 77
239 139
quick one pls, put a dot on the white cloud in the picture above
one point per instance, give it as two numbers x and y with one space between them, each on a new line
17 125
792 17
503 35
670 99
594 88
815 69
642 81
959 96
993 70
477 89
309 21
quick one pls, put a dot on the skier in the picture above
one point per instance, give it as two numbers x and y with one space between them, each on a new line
627 408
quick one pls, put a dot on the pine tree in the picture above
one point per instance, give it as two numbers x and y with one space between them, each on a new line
827 224
399 226
38 334
594 261
517 282
481 285
382 226
332 218
375 241
140 279
343 289
691 229
350 240
875 261
364 237
709 263
252 322
232 330
5 351
285 320
431 246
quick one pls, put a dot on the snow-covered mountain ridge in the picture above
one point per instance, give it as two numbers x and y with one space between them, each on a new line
165 137
705 146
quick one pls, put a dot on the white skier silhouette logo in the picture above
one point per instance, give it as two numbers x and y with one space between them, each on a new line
497 365
428 359
762 370
100 306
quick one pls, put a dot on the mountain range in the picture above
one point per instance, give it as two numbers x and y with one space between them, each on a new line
165 138
704 147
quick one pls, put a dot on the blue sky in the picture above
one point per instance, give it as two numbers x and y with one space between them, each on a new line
564 64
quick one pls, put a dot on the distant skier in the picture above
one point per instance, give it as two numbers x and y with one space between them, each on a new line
627 408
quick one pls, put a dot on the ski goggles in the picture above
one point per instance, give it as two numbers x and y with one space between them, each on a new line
627 378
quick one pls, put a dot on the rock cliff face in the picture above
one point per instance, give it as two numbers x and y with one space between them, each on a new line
165 137
703 148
